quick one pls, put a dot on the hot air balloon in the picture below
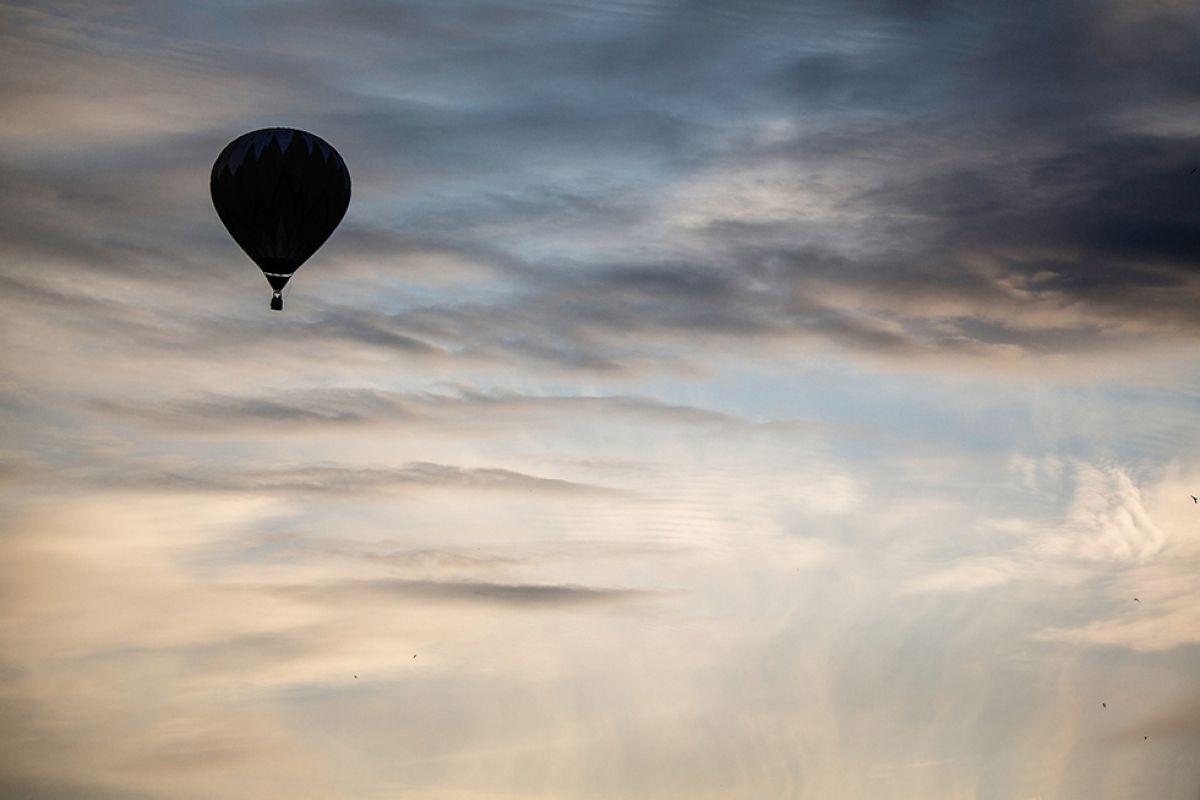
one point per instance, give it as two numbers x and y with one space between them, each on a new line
280 192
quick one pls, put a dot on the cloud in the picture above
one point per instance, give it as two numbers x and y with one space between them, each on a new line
756 341
1165 615
310 480
898 217
969 575
1158 630
1107 519
321 479
505 594
306 410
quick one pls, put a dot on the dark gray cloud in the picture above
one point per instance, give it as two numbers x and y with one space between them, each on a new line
320 479
547 143
449 562
511 594
302 480
308 409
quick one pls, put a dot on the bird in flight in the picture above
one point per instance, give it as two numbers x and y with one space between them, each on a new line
1195 499
1105 705
1136 600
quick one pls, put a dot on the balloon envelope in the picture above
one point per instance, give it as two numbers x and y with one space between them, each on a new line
280 193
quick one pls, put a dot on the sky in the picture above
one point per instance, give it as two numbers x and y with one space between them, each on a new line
699 400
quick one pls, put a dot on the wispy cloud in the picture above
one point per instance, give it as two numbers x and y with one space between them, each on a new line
309 409
466 591
317 479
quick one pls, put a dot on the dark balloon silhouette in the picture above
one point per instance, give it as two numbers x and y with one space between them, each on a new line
280 192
